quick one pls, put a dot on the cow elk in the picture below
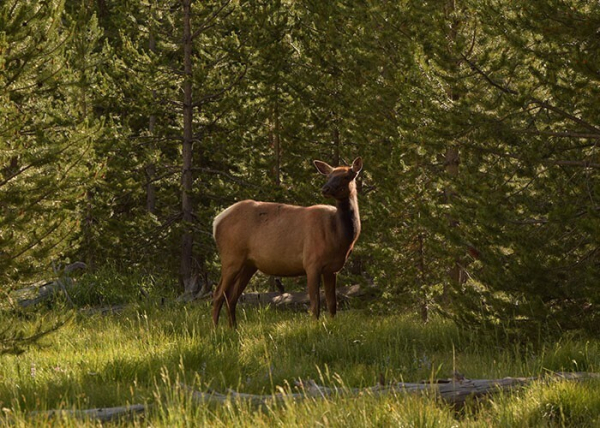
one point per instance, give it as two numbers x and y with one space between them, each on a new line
288 240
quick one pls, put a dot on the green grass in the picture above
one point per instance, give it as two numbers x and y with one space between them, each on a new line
143 354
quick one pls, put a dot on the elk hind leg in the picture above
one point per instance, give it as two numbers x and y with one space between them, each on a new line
228 278
234 293
218 300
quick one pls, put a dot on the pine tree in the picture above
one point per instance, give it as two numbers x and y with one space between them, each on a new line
527 147
45 139
43 142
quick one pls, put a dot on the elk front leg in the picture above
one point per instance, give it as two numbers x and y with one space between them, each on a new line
329 281
314 282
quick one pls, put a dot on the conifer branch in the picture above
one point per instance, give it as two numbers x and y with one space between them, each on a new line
536 101
41 161
37 241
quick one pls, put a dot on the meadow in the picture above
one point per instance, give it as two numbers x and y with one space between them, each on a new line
148 354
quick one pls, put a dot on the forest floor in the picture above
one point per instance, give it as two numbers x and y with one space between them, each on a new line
154 355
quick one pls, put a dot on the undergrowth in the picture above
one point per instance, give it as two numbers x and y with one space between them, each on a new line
146 353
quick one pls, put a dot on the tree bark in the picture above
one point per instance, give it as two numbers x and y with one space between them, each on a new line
186 274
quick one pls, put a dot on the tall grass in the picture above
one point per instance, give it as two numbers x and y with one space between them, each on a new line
144 354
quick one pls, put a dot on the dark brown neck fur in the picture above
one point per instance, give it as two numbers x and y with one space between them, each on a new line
349 217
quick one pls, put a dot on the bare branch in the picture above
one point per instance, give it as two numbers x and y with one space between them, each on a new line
218 94
569 116
584 164
492 82
209 22
229 176
564 134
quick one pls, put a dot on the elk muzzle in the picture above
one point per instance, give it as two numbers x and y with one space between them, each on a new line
328 190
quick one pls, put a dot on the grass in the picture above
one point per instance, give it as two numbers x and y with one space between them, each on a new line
143 354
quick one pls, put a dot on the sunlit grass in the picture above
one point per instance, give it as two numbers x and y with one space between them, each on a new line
144 354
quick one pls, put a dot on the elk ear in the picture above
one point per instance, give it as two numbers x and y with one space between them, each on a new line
323 168
357 165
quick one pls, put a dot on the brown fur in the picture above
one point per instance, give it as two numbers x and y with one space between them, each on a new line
288 240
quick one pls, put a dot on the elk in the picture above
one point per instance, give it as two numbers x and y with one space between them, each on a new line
288 240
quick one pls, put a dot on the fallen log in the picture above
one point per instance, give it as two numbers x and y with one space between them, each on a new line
453 391
35 294
102 414
294 300
103 310
299 300
42 291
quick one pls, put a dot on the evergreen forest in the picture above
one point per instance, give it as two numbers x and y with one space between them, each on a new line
127 126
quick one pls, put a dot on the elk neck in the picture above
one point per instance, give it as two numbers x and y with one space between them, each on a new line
348 217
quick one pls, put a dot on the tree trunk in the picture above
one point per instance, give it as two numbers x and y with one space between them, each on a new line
151 168
88 223
88 227
452 161
187 281
276 144
422 280
150 188
275 138
335 136
452 156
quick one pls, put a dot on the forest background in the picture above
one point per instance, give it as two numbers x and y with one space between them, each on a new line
125 127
